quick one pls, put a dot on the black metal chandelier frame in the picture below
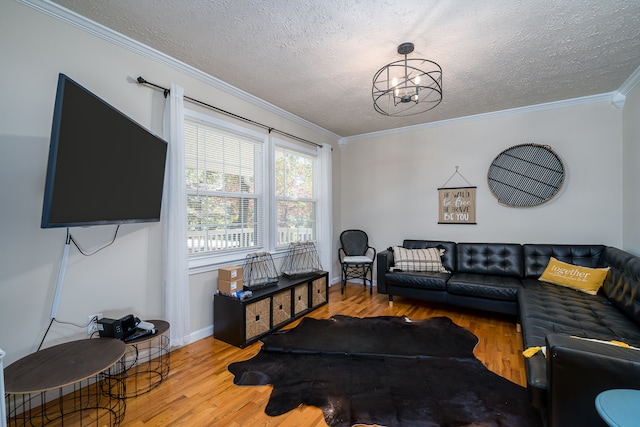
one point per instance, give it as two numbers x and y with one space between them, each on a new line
408 86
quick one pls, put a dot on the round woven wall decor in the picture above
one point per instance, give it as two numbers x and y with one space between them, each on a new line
526 175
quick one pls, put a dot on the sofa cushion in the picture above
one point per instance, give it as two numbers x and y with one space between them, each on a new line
418 279
485 286
547 308
536 256
497 259
622 285
418 259
583 279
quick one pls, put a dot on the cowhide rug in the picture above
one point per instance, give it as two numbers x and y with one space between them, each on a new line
387 371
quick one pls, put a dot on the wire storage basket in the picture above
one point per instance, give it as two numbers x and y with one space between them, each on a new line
259 271
302 259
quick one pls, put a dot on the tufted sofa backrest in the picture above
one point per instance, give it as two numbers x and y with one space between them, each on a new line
449 257
536 256
622 285
500 259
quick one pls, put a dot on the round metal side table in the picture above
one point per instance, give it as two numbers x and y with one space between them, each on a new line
80 383
147 360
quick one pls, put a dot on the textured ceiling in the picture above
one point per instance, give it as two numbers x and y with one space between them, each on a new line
316 58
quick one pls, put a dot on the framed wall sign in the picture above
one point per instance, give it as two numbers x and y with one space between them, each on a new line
457 205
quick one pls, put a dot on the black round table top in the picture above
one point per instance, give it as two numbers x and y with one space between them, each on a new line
62 365
161 326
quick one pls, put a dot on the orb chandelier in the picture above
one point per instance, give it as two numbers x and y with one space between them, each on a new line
408 86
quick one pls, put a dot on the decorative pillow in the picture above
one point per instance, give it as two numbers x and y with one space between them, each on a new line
418 259
584 279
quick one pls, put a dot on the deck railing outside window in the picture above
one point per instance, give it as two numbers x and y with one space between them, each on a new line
200 241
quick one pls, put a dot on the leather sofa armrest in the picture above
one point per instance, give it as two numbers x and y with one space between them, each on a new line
385 262
578 370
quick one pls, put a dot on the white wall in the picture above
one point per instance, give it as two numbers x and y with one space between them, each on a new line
631 155
390 182
125 277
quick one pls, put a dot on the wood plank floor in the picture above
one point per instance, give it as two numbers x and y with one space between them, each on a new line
200 390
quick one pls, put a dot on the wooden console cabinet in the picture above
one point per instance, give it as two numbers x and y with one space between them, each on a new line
241 322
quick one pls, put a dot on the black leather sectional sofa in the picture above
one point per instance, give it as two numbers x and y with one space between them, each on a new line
503 278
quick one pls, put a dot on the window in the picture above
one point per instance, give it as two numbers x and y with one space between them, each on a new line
225 197
295 196
247 191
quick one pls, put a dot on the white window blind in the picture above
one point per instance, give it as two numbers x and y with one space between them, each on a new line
296 196
224 179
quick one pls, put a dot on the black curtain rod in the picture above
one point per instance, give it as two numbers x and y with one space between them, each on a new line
166 92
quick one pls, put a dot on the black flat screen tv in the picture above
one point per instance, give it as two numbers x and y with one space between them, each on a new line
103 167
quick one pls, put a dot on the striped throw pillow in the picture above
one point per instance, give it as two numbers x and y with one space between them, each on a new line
418 259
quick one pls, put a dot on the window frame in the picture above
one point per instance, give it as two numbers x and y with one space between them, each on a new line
200 263
211 260
303 150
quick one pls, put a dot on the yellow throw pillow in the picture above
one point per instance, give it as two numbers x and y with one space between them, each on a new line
584 279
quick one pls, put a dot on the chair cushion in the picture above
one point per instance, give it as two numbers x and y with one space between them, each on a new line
418 259
357 260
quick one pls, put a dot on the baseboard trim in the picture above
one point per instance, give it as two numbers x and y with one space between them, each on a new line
201 334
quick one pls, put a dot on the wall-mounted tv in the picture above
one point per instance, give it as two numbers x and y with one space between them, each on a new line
103 167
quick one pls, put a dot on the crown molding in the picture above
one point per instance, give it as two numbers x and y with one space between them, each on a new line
618 99
620 96
630 83
604 97
65 15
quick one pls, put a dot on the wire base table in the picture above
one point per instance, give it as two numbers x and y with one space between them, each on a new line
79 383
147 360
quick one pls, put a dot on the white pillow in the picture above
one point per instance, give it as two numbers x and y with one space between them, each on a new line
418 259
357 259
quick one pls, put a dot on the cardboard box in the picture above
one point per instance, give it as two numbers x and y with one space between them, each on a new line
230 273
230 286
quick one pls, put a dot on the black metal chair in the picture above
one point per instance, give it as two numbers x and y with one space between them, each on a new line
356 257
